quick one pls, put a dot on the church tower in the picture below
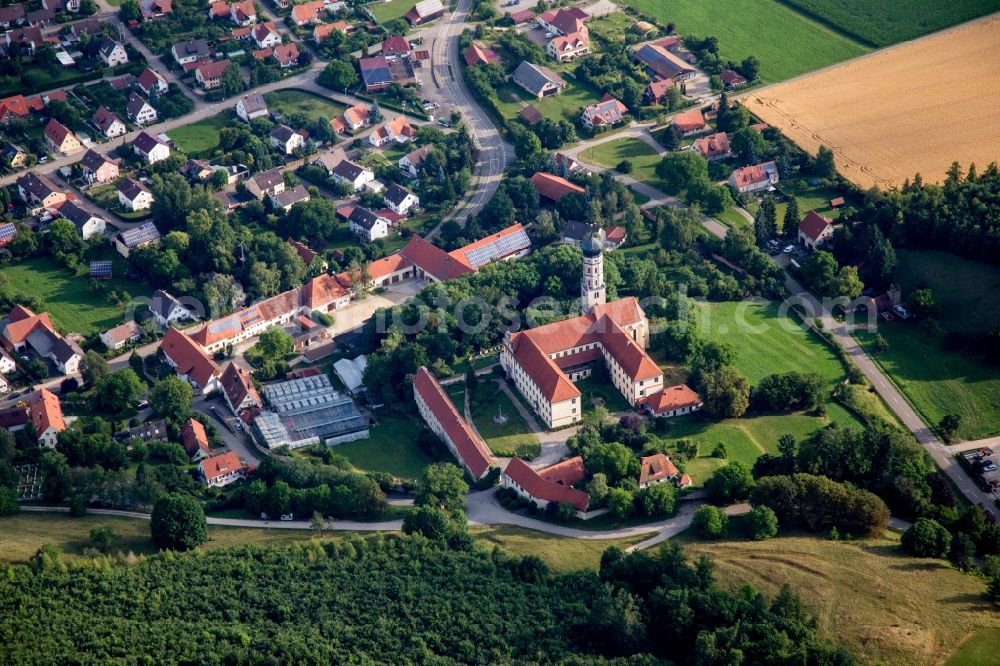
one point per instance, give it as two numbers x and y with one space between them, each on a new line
592 289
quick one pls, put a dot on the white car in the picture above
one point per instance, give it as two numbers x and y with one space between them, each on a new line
789 249
288 516
549 35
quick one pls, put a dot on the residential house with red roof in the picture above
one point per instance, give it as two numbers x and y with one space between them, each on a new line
190 361
713 147
444 421
355 117
222 469
396 47
553 187
61 139
398 129
477 54
534 486
564 21
152 82
238 389
250 321
306 13
109 123
672 401
121 335
38 191
657 468
689 122
209 74
732 79
606 113
754 178
815 230
195 440
47 416
23 329
569 47
286 55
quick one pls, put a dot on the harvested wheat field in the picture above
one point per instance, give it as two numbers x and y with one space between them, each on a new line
912 108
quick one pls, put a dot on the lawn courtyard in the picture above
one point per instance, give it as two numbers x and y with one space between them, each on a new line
565 106
292 102
202 137
392 447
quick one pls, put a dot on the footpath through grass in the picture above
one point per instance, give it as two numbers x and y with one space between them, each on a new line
786 42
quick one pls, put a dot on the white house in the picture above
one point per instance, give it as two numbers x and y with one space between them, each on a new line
400 200
815 230
133 195
47 416
410 163
113 53
367 225
265 36
167 310
7 364
354 175
140 111
285 139
87 224
250 106
221 470
121 335
109 123
150 148
754 178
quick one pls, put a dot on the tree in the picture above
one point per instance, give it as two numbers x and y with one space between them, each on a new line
732 483
171 398
847 284
765 222
963 552
63 237
621 502
178 523
678 170
762 522
710 522
338 75
119 391
725 392
749 145
790 223
130 11
55 476
949 426
923 303
317 523
94 367
443 485
616 461
8 501
103 537
825 165
926 538
658 500
625 166
232 80
750 68
817 503
429 521
819 270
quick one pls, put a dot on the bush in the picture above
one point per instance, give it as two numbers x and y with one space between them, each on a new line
926 538
625 166
710 522
178 523
729 484
763 523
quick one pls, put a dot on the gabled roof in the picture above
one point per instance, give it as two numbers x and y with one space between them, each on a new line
435 261
46 412
290 197
375 71
163 304
306 11
212 70
566 20
265 180
193 47
286 52
712 145
282 133
416 157
606 112
661 61
756 173
549 491
262 31
130 189
479 55
689 120
190 359
122 332
671 398
530 114
554 187
499 245
104 119
237 385
731 78
567 473
306 253
220 465
150 78
426 8
348 170
56 132
656 467
23 321
813 225
394 46
72 212
146 142
396 194
535 77
363 217
38 185
253 102
471 448
135 105
107 46
356 114
325 289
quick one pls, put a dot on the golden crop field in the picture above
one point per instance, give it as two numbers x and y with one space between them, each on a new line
912 108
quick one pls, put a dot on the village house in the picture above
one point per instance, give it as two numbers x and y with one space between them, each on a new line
265 36
657 468
191 51
133 195
411 163
238 389
538 80
398 129
285 139
152 83
606 113
87 224
444 420
306 253
815 230
47 417
662 63
113 53
195 440
355 117
277 310
121 335
352 174
23 329
287 55
209 75
144 235
754 178
672 401
732 79
250 106
191 363
153 9
713 147
150 148
144 432
98 168
425 11
61 138
140 111
553 187
656 91
266 184
285 200
16 156
167 310
7 364
221 470
322 31
38 191
366 225
400 200
375 73
566 48
689 122
109 124
552 485
477 54
564 21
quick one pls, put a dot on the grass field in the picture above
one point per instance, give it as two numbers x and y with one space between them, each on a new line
644 159
939 382
980 649
387 11
884 23
513 437
290 102
391 448
786 42
202 137
68 299
560 554
968 292
882 606
564 106
809 196
592 388
611 27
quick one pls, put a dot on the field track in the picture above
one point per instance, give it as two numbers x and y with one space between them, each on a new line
914 107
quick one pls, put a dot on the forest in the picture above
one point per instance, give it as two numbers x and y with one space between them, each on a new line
394 600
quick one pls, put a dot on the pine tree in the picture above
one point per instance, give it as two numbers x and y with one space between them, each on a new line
791 222
766 221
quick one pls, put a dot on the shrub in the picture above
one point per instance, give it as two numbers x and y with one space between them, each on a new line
926 538
710 522
763 523
178 523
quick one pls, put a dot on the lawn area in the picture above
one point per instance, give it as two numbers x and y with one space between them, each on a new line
886 608
978 650
611 27
968 292
731 218
202 137
884 23
786 42
592 387
810 197
561 554
513 438
391 448
939 382
106 196
291 102
564 106
644 159
68 299
387 11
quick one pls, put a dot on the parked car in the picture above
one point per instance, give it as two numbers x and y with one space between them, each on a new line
288 516
789 249
549 35
143 404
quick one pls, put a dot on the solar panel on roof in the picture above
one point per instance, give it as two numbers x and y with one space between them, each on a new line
500 247
7 231
141 234
100 269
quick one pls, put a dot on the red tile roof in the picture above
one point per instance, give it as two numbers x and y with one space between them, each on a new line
539 488
306 253
673 397
477 55
615 235
286 52
814 224
689 121
212 70
522 16
325 289
224 463
712 145
190 359
22 322
473 450
238 386
568 472
755 173
435 261
462 253
56 132
46 412
395 45
194 437
554 187
656 467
